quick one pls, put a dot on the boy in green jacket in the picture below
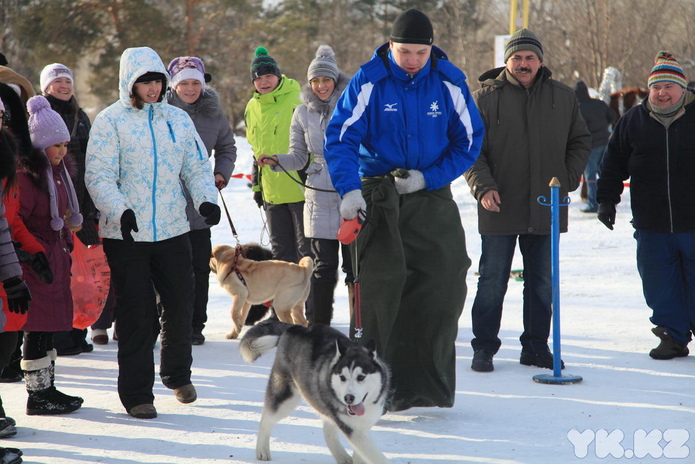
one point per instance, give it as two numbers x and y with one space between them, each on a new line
268 116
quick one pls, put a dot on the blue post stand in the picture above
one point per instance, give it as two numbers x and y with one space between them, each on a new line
557 377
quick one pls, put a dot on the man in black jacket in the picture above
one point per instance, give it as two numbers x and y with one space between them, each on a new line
598 117
653 146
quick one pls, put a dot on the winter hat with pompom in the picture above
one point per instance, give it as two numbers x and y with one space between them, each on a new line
263 64
667 69
47 128
324 64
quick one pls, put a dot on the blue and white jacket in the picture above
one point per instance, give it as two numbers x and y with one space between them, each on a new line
387 119
137 158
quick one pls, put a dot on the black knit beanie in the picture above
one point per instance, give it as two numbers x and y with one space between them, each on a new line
412 27
264 64
152 76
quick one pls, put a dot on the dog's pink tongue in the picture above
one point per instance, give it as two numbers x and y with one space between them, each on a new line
357 409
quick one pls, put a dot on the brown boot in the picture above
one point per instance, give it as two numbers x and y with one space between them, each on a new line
667 349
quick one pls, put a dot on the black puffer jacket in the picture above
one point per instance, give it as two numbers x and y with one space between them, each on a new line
597 115
660 164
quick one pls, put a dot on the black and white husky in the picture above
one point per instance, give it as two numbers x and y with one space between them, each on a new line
346 383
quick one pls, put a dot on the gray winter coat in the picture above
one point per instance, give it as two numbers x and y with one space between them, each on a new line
213 127
321 209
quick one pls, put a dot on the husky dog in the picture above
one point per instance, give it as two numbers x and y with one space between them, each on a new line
347 384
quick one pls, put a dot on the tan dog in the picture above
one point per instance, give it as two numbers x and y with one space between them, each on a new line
287 284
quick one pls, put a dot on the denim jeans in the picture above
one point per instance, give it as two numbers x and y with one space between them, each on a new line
666 264
591 174
495 265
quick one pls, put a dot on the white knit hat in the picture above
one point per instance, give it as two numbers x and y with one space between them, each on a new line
52 72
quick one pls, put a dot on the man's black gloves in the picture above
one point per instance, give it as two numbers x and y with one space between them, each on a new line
258 198
40 265
128 225
18 296
211 213
606 214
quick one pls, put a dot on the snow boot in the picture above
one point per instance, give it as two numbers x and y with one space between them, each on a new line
44 399
322 294
542 358
10 456
6 424
668 348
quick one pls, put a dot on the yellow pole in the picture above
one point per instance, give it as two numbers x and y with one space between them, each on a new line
512 17
525 14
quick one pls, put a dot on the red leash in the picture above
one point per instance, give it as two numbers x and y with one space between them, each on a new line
348 232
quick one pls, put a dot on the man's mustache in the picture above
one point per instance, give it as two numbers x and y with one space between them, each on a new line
528 70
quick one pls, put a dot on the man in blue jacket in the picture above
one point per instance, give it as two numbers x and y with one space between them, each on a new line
403 130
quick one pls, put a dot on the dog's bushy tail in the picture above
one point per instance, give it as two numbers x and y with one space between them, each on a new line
261 338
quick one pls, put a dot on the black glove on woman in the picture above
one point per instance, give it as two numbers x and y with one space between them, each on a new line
18 296
128 225
40 265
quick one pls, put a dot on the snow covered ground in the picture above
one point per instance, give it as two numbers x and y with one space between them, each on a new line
628 408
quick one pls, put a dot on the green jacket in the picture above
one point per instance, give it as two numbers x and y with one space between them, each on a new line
531 136
268 118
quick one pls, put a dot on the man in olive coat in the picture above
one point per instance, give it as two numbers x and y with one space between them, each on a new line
533 132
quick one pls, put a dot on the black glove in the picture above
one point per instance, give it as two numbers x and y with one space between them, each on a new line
18 296
128 225
211 213
40 265
23 256
606 214
258 198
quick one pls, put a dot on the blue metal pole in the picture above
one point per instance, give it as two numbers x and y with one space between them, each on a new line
555 204
555 253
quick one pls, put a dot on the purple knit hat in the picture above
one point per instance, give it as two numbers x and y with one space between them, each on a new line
45 125
47 128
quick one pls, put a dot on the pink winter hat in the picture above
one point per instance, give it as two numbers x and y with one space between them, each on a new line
46 127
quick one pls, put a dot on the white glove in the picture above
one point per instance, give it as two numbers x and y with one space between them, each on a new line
414 182
351 204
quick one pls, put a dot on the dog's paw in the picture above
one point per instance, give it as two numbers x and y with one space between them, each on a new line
263 454
232 335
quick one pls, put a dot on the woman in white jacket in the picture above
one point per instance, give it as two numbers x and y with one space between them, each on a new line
321 208
139 149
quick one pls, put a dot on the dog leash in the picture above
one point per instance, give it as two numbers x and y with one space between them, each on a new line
277 163
238 250
347 234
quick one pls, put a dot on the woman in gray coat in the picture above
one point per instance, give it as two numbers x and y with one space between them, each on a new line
188 78
321 209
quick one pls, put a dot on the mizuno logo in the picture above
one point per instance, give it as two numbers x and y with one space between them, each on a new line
390 107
